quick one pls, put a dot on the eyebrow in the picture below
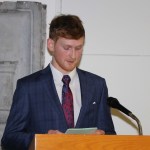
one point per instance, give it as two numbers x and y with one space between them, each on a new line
72 46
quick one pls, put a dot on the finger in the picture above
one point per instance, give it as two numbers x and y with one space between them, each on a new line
54 132
101 132
58 132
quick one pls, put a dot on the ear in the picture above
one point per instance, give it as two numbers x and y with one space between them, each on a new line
50 45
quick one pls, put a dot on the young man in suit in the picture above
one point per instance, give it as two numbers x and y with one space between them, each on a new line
38 102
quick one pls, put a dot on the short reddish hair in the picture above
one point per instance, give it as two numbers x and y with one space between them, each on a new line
67 26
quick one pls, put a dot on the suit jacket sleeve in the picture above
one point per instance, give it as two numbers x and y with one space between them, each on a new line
104 115
16 127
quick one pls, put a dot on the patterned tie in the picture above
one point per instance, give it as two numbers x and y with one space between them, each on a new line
67 101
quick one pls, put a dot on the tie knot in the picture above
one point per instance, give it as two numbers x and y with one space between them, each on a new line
66 79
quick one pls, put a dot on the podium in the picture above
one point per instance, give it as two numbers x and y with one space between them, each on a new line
90 142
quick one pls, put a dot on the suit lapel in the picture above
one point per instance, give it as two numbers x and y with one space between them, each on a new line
85 95
51 90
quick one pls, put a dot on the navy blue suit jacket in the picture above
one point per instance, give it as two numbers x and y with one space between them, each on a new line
36 108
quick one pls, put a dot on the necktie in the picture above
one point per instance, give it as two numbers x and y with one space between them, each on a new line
67 101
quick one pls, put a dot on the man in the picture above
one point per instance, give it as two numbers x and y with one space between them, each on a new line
38 101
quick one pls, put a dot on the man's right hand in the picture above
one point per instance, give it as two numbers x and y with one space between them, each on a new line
54 132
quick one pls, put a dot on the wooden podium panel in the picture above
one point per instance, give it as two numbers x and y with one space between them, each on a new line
91 142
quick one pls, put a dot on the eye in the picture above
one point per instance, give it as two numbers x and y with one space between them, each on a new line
78 48
67 47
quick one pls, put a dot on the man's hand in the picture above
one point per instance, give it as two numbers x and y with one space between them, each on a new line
101 132
54 132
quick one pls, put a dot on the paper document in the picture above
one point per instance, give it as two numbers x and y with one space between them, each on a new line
81 130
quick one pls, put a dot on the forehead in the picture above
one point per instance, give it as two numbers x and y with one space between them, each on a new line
71 42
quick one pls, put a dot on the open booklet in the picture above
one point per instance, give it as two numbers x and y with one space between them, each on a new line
81 130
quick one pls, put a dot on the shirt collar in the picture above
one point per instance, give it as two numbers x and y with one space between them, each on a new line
57 75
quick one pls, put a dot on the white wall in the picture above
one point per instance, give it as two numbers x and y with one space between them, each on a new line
117 48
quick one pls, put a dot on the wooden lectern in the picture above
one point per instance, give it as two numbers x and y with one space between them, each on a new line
90 142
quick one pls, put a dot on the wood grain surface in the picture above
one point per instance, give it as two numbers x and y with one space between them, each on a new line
91 142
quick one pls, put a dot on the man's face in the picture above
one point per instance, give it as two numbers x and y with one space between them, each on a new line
66 53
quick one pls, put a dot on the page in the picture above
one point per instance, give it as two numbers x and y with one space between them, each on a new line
81 130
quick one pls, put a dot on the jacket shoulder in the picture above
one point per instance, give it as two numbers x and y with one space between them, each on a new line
36 76
89 74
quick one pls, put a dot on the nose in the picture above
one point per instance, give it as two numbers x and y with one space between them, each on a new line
73 54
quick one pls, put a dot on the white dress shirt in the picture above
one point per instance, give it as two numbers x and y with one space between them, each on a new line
74 86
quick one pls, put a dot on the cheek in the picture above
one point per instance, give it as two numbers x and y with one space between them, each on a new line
60 55
79 54
58 51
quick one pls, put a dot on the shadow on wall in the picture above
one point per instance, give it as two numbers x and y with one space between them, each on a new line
125 118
